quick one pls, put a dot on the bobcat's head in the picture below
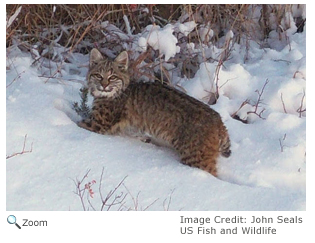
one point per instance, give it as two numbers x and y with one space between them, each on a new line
107 78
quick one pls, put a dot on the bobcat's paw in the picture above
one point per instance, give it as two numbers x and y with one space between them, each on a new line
86 124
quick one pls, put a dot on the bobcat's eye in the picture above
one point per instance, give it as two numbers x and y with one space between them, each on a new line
98 76
112 78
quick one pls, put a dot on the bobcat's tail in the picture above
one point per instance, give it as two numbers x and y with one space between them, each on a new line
225 146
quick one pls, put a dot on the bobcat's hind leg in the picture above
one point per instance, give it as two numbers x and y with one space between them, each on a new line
204 161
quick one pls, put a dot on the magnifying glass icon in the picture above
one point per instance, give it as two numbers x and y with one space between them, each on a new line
12 220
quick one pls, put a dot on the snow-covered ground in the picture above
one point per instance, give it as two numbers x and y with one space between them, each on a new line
266 171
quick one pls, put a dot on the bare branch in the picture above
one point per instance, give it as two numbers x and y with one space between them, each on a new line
300 110
166 206
259 101
80 192
113 197
118 199
235 116
283 105
281 142
23 149
16 78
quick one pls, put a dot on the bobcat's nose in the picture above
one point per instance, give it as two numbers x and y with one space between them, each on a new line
104 83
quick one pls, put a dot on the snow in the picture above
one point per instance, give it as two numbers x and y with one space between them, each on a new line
266 171
186 28
142 42
162 39
205 33
125 18
229 35
202 84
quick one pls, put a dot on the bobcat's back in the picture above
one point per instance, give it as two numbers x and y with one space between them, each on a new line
191 127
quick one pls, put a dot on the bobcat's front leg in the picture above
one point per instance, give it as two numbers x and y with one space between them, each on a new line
91 125
104 120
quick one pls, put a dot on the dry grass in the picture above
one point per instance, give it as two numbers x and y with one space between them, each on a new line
84 19
41 29
45 22
79 28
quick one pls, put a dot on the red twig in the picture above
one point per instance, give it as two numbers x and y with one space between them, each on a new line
23 149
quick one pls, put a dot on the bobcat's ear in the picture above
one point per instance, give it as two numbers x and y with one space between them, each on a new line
95 57
122 60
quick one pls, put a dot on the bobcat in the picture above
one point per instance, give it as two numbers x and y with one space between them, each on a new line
123 106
